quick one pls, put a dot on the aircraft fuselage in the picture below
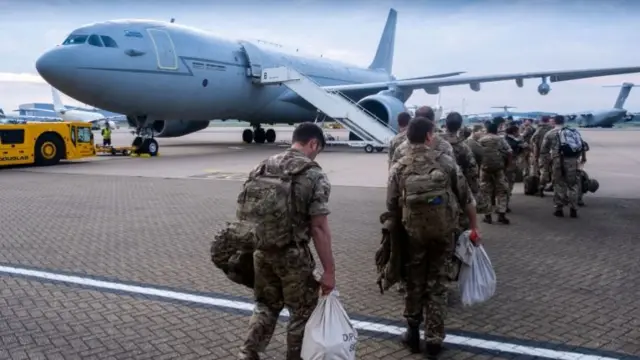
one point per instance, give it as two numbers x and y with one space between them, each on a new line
172 72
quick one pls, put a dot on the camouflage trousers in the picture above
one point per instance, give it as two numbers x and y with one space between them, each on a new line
428 273
545 174
524 164
282 278
565 182
511 174
494 185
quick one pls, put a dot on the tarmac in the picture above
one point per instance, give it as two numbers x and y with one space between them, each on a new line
108 258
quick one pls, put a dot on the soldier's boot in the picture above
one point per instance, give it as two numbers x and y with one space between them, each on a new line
558 212
581 203
248 355
487 219
433 350
411 339
573 213
541 192
502 218
508 210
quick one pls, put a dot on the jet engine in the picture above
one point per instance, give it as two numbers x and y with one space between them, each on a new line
385 108
520 82
176 128
475 86
544 88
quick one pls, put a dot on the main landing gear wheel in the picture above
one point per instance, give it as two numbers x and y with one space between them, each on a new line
270 135
259 136
247 136
146 146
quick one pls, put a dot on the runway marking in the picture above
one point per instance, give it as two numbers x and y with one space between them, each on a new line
462 341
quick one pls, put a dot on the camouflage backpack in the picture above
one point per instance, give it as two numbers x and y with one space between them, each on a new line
459 152
266 201
492 158
429 209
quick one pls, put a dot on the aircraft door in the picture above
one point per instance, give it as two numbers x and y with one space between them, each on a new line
165 51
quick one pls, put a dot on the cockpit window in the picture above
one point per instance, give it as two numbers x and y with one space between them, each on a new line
95 41
108 41
75 39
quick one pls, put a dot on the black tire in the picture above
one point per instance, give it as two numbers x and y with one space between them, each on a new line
247 136
270 135
379 149
259 136
49 149
368 148
150 146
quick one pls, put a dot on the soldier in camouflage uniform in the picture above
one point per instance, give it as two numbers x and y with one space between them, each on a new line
564 170
403 122
497 156
518 146
284 276
396 141
526 132
476 133
429 256
537 167
438 143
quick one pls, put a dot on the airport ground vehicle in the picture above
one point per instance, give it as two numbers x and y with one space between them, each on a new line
44 143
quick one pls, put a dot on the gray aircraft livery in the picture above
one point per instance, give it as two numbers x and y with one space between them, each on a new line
606 118
171 80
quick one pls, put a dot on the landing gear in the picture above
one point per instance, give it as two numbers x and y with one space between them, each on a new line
259 135
144 141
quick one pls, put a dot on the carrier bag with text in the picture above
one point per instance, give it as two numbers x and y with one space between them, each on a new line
329 334
477 280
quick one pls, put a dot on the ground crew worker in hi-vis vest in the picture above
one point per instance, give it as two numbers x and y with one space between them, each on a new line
106 134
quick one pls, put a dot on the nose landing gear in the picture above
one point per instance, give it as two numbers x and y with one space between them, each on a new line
144 142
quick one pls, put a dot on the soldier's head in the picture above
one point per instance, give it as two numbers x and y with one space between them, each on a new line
558 120
453 122
420 131
492 128
477 128
527 121
466 132
498 120
512 130
545 119
425 112
309 139
403 119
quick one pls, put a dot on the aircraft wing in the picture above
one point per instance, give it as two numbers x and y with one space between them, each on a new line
418 83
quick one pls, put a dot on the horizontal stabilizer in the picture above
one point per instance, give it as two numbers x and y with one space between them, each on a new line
624 85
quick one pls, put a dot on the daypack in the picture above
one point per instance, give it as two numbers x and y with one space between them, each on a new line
459 152
266 201
232 252
571 144
492 158
429 210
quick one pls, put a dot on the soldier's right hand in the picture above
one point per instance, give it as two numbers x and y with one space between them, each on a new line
327 282
474 236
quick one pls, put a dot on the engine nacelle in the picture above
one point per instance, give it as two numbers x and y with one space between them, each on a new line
386 108
432 90
544 88
176 128
520 82
475 86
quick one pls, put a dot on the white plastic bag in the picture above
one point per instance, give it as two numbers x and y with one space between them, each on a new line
329 334
477 281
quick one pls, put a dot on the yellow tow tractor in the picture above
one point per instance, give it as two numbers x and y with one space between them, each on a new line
44 143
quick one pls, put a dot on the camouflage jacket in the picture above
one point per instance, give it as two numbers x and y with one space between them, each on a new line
527 132
464 158
537 137
475 146
459 184
311 189
439 144
394 144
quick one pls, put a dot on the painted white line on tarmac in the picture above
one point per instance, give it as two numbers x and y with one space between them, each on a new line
239 305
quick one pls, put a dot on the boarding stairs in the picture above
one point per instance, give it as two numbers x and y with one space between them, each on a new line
333 104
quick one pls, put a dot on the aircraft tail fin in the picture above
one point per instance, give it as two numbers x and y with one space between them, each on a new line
58 106
384 55
625 89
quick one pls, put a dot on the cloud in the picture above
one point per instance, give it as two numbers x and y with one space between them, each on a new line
21 78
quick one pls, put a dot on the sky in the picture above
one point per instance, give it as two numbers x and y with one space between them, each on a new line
480 37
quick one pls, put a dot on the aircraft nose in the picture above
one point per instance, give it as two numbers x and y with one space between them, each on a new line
55 67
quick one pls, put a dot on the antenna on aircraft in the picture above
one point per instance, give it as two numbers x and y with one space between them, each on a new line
172 20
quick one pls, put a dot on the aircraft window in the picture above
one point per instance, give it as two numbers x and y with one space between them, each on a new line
75 39
95 41
108 41
130 33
